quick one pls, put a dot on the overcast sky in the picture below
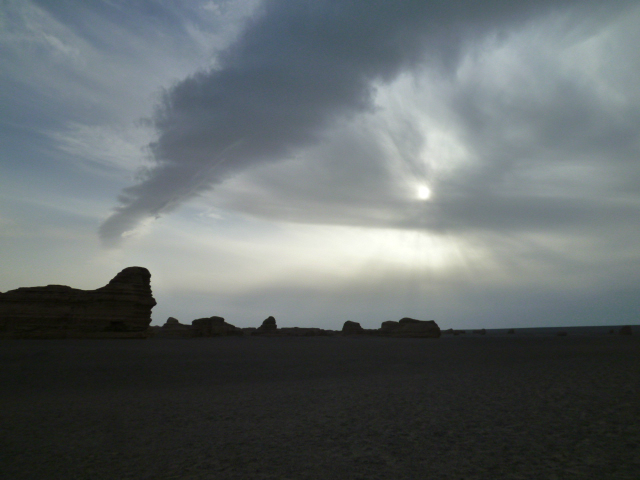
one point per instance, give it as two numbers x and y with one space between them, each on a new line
475 163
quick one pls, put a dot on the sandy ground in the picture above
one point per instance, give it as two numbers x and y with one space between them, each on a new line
321 408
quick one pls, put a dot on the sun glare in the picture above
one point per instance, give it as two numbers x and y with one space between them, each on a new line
424 192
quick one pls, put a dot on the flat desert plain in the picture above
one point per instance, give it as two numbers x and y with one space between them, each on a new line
464 407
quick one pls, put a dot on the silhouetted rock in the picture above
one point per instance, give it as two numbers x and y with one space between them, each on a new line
154 331
562 334
409 327
389 327
213 327
120 309
511 331
351 328
453 332
304 332
626 330
173 328
480 332
268 327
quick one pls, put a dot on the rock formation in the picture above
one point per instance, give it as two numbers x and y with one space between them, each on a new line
268 327
389 327
453 332
173 328
213 327
121 309
304 332
409 327
351 328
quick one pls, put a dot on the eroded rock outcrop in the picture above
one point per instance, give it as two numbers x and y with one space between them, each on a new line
304 332
213 327
352 328
268 327
120 309
173 328
409 327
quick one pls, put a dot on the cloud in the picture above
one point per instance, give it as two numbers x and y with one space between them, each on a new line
296 70
536 132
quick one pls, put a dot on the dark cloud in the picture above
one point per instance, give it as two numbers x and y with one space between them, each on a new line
551 143
295 70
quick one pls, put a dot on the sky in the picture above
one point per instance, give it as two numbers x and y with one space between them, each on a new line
474 163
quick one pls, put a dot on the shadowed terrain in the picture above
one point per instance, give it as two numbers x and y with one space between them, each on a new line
306 408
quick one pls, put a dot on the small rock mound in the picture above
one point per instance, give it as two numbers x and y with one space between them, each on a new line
213 327
173 328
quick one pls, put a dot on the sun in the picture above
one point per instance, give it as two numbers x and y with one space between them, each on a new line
424 192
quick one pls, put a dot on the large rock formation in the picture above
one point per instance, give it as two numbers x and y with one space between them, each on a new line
352 328
213 327
409 327
121 309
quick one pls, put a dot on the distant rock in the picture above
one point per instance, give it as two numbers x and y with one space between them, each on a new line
389 327
626 330
268 327
213 327
304 332
562 334
409 327
173 328
120 309
352 328
480 332
511 331
451 331
154 331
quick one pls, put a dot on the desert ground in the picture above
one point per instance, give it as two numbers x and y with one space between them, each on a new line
463 407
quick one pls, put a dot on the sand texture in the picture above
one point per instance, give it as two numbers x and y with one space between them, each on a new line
321 408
